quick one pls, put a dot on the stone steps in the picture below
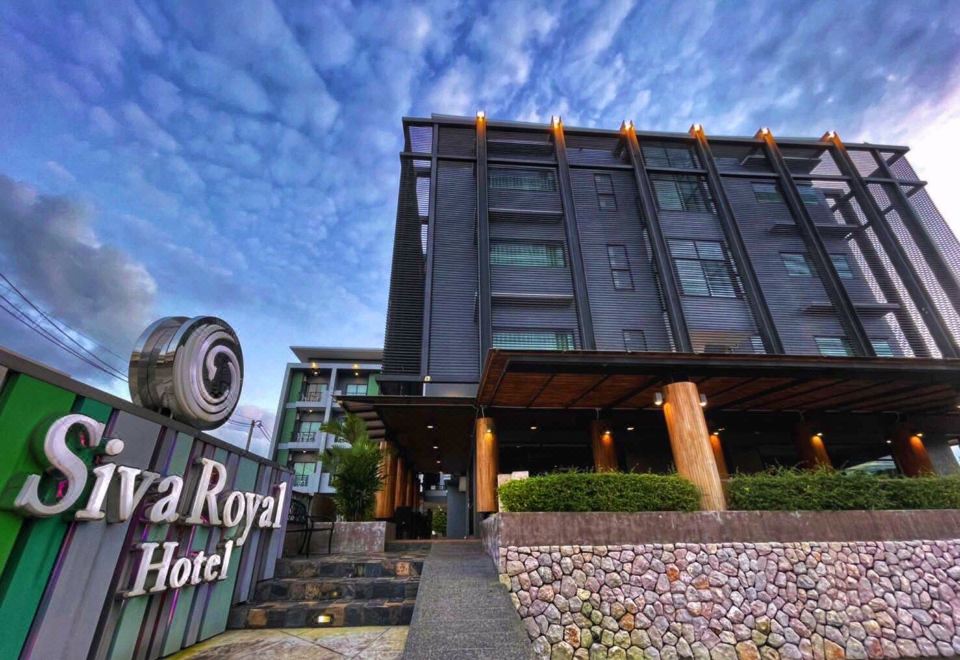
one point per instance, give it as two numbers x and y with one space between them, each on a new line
337 588
347 566
323 613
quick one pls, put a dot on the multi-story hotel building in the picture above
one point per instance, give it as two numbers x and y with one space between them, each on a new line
309 399
628 300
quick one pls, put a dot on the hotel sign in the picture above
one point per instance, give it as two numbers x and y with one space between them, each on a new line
206 503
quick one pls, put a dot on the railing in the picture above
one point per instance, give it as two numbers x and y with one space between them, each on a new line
304 436
301 480
313 396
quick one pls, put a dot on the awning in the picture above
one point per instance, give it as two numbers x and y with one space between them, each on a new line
433 432
609 380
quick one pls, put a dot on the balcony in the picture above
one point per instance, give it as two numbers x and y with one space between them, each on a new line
307 484
304 440
304 436
307 396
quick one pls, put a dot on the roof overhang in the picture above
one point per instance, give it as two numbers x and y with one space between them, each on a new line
432 432
614 380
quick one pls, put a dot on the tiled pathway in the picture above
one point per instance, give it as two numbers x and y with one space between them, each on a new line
462 609
361 643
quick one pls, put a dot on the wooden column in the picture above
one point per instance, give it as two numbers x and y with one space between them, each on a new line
383 509
690 442
400 483
810 447
604 453
487 465
718 455
910 453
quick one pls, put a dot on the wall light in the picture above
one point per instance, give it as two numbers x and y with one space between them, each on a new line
324 618
481 115
626 125
764 130
426 379
698 128
555 121
658 398
703 400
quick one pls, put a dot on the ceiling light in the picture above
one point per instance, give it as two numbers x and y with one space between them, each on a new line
533 428
820 434
889 441
438 462
658 398
631 428
703 400
430 426
919 435
436 447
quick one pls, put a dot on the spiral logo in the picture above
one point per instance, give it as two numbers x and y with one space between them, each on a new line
191 369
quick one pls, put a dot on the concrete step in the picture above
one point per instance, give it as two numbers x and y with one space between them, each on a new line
323 613
337 588
349 566
408 546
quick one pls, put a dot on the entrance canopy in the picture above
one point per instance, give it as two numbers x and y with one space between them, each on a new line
435 432
763 383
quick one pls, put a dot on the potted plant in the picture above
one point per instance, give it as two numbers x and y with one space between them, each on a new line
356 468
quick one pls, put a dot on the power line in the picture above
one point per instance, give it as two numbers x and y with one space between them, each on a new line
31 324
57 325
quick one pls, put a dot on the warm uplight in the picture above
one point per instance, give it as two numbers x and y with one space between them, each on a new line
832 135
658 398
703 400
765 131
555 121
698 128
626 125
481 115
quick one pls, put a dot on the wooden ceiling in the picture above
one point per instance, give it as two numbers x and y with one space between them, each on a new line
542 379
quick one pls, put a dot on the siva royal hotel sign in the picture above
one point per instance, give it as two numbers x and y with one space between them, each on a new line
125 531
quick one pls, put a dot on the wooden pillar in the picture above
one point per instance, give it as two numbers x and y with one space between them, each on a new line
487 465
383 508
810 447
718 455
909 451
690 442
604 453
400 483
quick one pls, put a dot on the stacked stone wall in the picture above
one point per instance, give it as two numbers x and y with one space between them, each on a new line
738 600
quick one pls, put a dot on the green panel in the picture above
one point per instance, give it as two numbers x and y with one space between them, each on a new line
25 403
296 384
36 550
289 422
373 386
134 609
218 607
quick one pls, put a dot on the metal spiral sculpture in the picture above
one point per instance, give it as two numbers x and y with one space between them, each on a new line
191 369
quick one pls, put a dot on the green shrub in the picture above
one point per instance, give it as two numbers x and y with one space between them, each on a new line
830 490
604 491
439 524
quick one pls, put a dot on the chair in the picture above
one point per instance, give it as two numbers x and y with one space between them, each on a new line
298 516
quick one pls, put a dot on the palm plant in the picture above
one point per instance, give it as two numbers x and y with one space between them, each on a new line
356 468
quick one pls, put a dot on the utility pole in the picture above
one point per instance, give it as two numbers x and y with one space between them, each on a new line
253 423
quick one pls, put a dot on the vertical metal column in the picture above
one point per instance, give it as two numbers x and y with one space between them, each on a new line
484 321
584 316
751 285
856 334
658 245
428 269
910 278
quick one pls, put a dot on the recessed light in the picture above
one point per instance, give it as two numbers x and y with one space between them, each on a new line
430 427
436 447
438 462
631 428
533 428
324 618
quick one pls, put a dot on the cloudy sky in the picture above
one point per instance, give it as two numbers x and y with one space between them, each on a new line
239 158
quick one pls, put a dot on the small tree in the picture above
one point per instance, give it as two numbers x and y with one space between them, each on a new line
356 469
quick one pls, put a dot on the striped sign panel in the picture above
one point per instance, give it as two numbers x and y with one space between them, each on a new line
62 580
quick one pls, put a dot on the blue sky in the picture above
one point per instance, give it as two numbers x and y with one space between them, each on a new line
239 158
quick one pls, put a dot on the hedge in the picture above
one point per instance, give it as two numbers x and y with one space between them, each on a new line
603 491
829 490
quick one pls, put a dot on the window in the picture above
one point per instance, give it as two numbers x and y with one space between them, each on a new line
842 265
796 264
551 340
703 268
681 193
313 391
834 346
526 254
882 348
356 389
504 178
605 196
664 155
808 194
302 472
619 267
634 341
767 193
306 432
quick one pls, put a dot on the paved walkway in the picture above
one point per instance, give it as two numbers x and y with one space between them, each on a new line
361 643
462 610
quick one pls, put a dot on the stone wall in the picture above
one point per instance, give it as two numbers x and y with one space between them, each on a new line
738 600
734 584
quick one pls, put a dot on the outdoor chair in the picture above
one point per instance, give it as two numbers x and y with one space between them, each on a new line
307 525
